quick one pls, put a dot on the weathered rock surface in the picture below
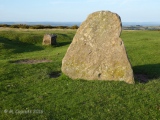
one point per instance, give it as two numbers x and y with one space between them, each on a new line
49 39
97 52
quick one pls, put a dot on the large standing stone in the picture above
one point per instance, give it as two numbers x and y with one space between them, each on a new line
49 39
97 52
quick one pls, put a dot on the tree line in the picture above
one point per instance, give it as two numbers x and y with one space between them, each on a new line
24 26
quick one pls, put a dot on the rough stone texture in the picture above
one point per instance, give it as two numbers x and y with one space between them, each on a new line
97 52
49 39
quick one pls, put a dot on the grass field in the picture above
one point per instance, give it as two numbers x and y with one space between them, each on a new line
41 92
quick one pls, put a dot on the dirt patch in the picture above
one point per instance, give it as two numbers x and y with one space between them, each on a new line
142 78
30 61
55 74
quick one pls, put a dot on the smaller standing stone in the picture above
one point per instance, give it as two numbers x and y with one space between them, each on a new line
49 39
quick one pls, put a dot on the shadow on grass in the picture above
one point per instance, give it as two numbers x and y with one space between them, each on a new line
60 44
66 40
18 46
146 73
55 74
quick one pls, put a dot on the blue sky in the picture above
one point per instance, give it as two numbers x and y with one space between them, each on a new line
77 10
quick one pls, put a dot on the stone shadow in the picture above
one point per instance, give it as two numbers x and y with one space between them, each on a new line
55 74
18 46
146 73
60 44
65 39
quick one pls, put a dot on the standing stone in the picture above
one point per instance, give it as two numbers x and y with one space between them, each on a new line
97 52
49 39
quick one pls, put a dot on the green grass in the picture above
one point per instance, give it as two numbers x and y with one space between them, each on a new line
28 92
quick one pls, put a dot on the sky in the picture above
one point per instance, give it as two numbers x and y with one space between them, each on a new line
77 10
